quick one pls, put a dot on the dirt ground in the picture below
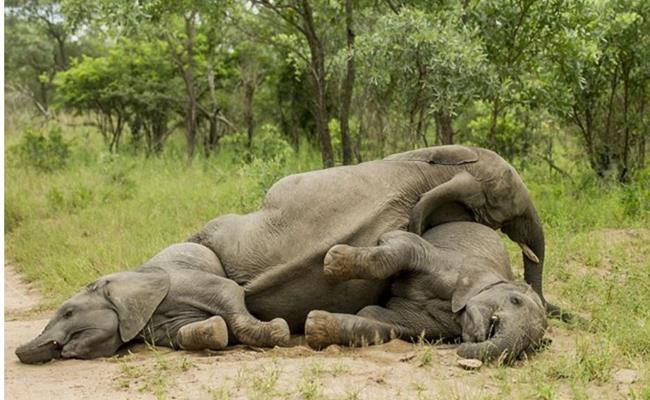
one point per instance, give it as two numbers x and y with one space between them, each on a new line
396 370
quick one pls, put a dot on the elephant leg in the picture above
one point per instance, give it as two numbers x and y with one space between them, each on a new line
463 188
222 297
397 251
249 330
375 325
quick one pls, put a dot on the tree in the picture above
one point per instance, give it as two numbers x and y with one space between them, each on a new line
515 33
38 44
601 63
132 85
429 59
299 16
347 86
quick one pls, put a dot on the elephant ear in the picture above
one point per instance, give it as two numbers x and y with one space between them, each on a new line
469 285
136 295
443 155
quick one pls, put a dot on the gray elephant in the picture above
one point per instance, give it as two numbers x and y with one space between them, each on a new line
276 254
455 281
178 299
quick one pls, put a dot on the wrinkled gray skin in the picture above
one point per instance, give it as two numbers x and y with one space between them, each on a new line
455 281
277 252
182 285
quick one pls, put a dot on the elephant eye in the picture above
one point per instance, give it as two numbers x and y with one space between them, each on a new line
515 300
67 314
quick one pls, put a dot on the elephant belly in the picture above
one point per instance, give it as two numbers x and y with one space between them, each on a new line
295 299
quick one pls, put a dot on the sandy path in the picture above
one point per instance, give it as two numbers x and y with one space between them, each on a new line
19 296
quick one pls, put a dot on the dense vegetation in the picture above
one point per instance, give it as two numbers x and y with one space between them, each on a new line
358 79
131 124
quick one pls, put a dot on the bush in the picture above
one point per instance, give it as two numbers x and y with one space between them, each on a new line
77 198
45 153
268 144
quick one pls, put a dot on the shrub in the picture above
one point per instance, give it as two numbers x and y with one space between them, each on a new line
45 153
268 144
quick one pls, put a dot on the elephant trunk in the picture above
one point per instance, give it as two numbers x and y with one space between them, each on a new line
533 271
527 231
509 341
42 349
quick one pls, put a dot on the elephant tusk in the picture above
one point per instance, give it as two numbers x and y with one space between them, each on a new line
528 252
494 320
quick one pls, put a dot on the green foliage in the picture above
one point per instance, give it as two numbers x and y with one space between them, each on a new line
44 152
433 56
133 84
267 144
600 81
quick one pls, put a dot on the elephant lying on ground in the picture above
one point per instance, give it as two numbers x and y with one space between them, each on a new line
276 254
455 281
179 298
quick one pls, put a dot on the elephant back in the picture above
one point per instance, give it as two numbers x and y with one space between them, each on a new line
187 255
442 155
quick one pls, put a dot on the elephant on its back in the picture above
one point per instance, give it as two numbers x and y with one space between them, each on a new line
277 252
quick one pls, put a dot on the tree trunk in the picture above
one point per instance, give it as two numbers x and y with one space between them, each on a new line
192 112
642 136
319 82
347 87
63 53
249 93
214 134
444 128
623 174
191 105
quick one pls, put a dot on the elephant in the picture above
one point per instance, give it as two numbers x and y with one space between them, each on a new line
453 282
179 299
276 253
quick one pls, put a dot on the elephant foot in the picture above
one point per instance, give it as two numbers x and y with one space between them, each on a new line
342 262
209 334
321 329
253 332
279 332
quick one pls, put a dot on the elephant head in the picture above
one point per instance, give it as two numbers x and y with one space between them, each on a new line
96 321
499 319
507 205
